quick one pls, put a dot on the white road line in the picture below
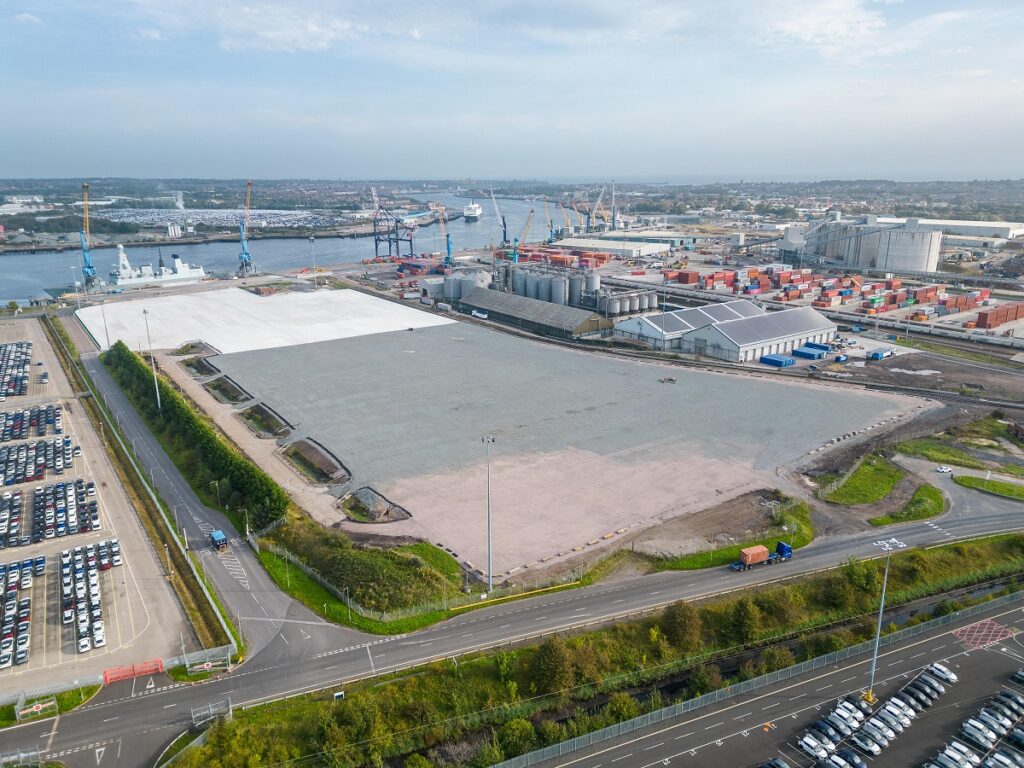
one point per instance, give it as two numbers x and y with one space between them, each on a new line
654 746
714 725
824 687
769 706
616 759
745 714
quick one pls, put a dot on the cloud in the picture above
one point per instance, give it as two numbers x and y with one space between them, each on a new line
28 18
148 34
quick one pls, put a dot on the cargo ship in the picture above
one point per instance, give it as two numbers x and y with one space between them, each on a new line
472 212
127 276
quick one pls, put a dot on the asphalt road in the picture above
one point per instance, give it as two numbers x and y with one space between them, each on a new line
747 731
292 650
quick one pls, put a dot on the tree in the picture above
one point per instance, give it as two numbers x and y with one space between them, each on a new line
681 624
777 657
489 754
551 668
517 737
746 620
621 706
416 760
705 678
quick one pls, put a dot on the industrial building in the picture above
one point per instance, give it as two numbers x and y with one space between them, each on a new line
534 314
871 243
748 339
666 330
620 246
1006 230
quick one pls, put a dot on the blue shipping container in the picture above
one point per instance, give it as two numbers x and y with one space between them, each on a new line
808 354
816 345
779 361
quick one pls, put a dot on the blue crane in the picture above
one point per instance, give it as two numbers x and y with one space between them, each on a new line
441 219
500 218
245 267
88 270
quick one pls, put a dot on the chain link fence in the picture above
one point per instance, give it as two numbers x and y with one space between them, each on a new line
26 694
675 710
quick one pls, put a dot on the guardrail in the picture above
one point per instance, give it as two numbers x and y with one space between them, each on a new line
723 694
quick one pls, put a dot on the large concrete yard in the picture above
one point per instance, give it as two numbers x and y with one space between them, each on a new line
586 446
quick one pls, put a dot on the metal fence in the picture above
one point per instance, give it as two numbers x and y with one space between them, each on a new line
831 487
198 658
722 694
13 696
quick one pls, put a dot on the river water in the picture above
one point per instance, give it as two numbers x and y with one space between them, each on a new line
24 275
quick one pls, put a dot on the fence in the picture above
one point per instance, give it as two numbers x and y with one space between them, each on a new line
831 487
691 705
12 697
455 601
201 657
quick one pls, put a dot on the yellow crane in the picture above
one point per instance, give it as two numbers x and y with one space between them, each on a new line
565 215
579 216
522 238
551 224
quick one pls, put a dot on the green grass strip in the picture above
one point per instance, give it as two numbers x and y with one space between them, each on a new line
1002 488
872 481
926 502
939 452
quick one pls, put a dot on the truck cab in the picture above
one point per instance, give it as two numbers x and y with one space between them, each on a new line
760 554
219 540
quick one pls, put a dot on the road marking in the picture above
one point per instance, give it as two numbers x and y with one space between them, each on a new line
824 687
922 653
689 733
654 746
769 706
168 706
111 719
616 759
714 725
745 714
150 685
99 752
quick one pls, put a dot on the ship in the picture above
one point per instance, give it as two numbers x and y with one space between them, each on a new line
472 211
127 276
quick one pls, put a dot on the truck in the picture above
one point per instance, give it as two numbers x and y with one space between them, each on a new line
219 540
759 554
881 354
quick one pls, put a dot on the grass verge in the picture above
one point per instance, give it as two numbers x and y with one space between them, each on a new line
926 502
935 450
872 481
1002 488
66 701
794 527
963 354
176 746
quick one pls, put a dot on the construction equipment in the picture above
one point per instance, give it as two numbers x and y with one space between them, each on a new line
551 224
499 217
245 266
441 220
521 238
88 270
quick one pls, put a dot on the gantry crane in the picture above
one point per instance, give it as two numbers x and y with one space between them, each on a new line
88 270
245 266
521 238
500 219
551 224
386 227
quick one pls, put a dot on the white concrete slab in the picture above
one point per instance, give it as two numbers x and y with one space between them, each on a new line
235 320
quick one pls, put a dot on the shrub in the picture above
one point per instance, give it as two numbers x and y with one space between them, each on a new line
682 627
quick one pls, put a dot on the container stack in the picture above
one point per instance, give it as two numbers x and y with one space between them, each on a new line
1007 313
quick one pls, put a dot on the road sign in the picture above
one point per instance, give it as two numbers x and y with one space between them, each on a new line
207 665
37 707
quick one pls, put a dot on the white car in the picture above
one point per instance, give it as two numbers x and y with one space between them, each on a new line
965 753
84 645
943 469
945 673
893 711
809 746
99 640
983 729
882 727
866 744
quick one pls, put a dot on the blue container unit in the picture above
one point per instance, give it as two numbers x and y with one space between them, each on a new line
779 361
808 353
818 345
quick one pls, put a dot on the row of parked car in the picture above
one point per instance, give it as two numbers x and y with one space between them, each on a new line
16 621
15 362
29 462
20 424
81 602
991 731
61 509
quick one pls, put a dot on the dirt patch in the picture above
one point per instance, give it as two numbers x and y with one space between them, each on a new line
197 366
263 422
365 505
948 375
836 519
225 390
315 463
197 348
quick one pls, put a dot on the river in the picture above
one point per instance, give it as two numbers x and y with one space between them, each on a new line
24 275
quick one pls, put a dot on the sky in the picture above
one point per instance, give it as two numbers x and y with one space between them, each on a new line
656 90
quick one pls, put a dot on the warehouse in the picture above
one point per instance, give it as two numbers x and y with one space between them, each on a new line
748 339
534 314
667 330
620 246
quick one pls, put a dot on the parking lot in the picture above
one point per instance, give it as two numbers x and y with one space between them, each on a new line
77 506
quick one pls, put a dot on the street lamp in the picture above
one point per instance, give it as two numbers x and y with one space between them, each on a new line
174 511
246 521
106 331
152 360
488 441
887 546
74 278
312 251
216 484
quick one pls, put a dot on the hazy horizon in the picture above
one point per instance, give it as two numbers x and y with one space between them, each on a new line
699 92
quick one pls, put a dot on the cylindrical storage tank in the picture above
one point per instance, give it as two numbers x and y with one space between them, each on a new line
559 290
532 286
575 289
593 281
468 284
544 288
602 304
652 301
519 282
634 303
452 288
643 302
614 306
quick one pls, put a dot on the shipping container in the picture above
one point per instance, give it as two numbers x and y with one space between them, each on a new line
779 361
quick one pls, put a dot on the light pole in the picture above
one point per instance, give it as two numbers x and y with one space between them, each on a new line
488 441
74 283
887 546
152 360
216 484
106 331
174 511
312 251
246 521
348 602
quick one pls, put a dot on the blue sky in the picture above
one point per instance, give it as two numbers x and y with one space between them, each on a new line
644 89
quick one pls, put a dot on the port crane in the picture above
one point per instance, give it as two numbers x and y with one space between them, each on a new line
565 216
245 266
521 238
550 222
388 229
501 219
88 270
593 211
579 216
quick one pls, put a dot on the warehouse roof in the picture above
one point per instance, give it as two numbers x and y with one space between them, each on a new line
685 320
775 325
530 310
